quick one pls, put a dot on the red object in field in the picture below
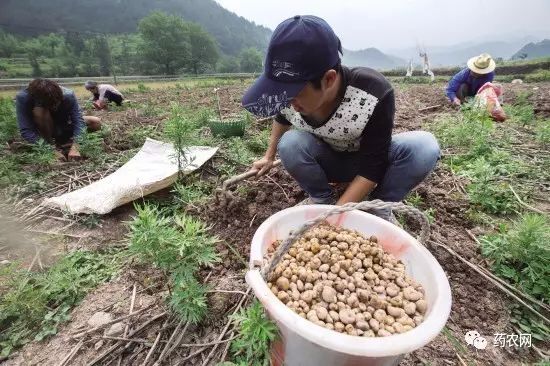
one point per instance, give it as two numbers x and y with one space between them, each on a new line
487 97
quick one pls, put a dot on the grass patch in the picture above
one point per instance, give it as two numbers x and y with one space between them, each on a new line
33 305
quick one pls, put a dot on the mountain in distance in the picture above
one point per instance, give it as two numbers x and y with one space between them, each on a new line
373 58
460 53
31 17
533 50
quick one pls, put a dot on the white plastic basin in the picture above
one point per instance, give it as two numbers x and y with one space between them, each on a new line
304 343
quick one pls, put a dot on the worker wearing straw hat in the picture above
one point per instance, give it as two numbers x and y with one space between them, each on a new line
466 83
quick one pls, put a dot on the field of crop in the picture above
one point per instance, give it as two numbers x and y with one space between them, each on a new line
167 271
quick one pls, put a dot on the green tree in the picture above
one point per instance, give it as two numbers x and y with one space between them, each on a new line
165 41
204 51
8 44
75 42
250 60
103 54
52 41
35 50
228 64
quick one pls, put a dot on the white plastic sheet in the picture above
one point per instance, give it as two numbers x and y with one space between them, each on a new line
153 168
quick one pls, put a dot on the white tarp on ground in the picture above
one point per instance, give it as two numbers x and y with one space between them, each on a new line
153 168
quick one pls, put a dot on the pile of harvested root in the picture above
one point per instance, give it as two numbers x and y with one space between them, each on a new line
340 280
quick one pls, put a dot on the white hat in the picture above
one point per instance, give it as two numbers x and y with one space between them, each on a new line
482 64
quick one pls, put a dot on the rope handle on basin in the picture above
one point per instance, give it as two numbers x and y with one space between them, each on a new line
399 207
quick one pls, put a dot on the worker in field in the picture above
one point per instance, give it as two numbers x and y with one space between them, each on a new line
47 111
466 83
333 124
103 94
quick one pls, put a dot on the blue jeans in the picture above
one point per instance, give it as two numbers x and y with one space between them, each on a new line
313 164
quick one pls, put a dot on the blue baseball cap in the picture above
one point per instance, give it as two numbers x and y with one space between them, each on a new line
302 48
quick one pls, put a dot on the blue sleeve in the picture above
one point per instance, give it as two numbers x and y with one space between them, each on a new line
76 116
459 78
24 118
490 77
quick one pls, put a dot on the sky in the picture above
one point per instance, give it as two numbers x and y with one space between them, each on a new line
394 24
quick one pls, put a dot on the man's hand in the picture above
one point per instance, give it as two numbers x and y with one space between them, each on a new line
263 165
457 101
74 154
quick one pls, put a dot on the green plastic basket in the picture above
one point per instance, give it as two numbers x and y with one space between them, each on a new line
227 128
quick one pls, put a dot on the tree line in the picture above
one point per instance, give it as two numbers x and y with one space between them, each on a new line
163 44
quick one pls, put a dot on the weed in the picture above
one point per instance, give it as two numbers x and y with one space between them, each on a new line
150 110
238 151
178 246
188 297
522 114
414 199
485 191
138 135
540 75
542 131
471 130
41 154
8 121
91 146
529 323
258 142
34 304
142 88
255 334
190 193
521 253
9 171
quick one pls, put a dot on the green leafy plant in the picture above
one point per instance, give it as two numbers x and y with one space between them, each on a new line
41 153
255 334
522 114
150 110
190 193
490 194
258 142
91 146
138 135
8 121
142 88
542 131
34 304
179 246
521 253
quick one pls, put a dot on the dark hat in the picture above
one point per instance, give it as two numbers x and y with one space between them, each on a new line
301 49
